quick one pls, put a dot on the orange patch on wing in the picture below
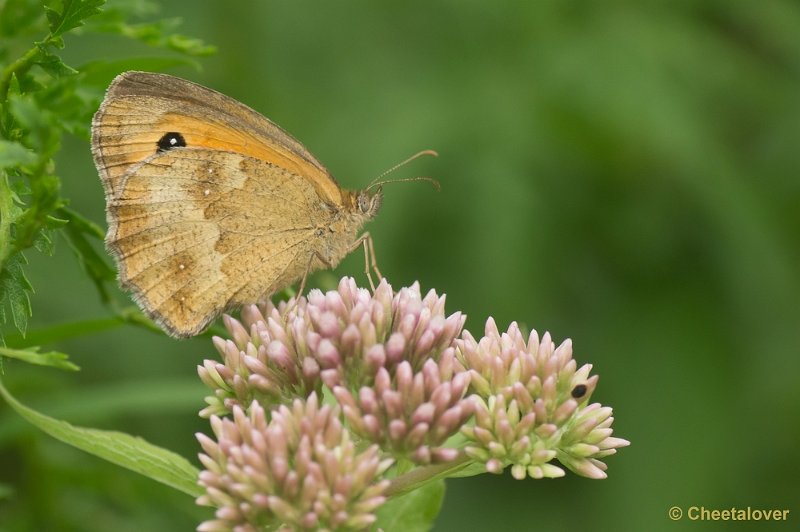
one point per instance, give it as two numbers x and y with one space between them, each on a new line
201 132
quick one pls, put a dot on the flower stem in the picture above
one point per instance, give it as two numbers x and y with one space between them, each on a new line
423 475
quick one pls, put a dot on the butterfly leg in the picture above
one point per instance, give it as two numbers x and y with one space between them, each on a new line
370 262
313 256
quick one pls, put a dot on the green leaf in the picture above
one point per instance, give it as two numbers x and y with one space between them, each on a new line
190 45
72 15
123 10
42 133
94 264
413 512
471 470
14 86
71 103
23 83
111 401
118 448
52 64
53 18
15 154
420 476
156 34
44 242
151 33
31 355
76 220
14 291
58 42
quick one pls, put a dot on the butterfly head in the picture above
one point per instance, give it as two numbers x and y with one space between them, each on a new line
369 202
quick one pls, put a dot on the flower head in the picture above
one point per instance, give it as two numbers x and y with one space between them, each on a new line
339 338
500 363
356 333
406 380
298 470
531 406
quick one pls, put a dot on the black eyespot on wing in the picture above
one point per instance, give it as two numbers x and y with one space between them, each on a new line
171 140
579 391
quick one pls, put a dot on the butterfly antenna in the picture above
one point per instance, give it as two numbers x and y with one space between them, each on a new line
375 182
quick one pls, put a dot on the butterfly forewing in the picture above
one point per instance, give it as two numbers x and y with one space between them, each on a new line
141 107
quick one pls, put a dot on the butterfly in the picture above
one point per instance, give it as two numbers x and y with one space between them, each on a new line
210 205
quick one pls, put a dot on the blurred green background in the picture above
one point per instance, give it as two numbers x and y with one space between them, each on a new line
624 173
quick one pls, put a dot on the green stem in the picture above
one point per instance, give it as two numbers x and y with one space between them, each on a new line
422 475
6 204
20 65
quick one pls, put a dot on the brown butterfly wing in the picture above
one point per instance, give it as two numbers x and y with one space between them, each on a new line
141 107
195 230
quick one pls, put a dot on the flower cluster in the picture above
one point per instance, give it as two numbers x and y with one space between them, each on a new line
530 406
339 338
403 384
299 470
355 333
